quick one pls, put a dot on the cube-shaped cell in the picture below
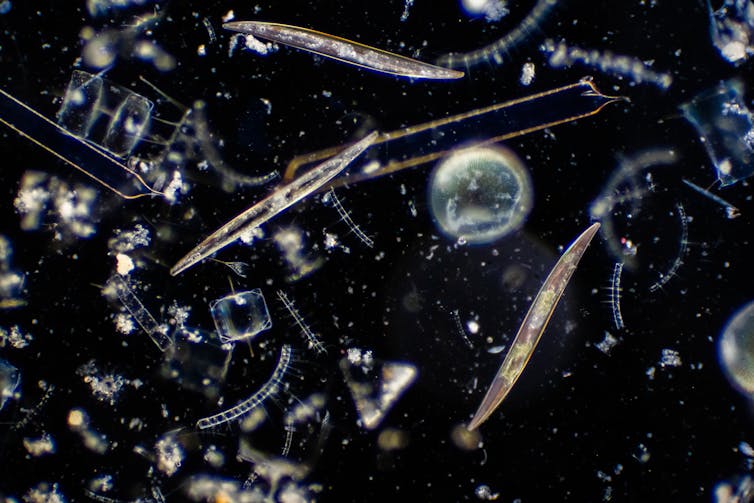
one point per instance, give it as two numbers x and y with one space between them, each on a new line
242 315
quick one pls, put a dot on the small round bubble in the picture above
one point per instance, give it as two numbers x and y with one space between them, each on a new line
480 194
736 349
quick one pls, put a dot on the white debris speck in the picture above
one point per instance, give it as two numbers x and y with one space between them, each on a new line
124 324
40 446
201 50
607 344
128 240
670 358
472 326
14 337
484 493
746 449
169 455
44 493
124 264
255 45
527 73
179 314
175 187
229 16
331 241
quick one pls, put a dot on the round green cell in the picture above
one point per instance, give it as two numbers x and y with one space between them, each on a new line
480 194
736 349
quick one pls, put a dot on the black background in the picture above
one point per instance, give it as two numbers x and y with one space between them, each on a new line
575 411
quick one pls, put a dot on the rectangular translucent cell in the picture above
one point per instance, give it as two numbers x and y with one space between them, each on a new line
724 124
240 316
81 104
196 361
128 125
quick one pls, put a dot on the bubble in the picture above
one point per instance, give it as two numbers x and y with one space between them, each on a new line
480 194
736 348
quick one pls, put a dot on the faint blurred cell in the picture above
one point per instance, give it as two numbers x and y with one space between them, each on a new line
480 194
5 6
732 29
39 446
393 439
10 378
726 129
375 385
242 315
736 350
102 7
736 490
43 198
197 361
44 492
11 280
492 10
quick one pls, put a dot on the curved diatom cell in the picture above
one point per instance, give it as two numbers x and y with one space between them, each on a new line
480 194
736 349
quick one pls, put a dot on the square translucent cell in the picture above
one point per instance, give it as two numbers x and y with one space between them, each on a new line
724 124
240 316
196 361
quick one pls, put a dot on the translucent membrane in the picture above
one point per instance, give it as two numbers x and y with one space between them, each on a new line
736 348
240 316
480 194
726 129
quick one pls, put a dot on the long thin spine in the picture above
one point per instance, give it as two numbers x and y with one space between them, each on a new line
269 388
311 337
346 217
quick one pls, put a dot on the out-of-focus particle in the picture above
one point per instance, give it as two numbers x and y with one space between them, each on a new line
5 7
465 439
39 446
44 493
242 315
492 10
197 361
739 490
406 8
480 194
670 358
375 386
14 337
10 378
736 350
527 73
726 129
11 281
607 344
170 454
102 7
214 457
732 29
392 439
485 493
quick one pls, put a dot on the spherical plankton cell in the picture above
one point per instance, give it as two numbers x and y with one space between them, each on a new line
480 194
736 349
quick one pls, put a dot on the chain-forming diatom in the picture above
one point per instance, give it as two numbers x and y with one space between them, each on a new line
278 201
270 388
343 50
532 327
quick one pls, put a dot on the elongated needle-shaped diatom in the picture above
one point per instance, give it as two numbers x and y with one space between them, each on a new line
532 327
278 201
343 50
268 389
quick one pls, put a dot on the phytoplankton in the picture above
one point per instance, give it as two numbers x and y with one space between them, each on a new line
278 201
344 50
532 327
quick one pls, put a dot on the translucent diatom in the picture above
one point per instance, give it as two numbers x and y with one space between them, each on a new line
726 129
242 315
82 103
196 361
736 350
375 390
480 194
732 29
10 378
343 50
